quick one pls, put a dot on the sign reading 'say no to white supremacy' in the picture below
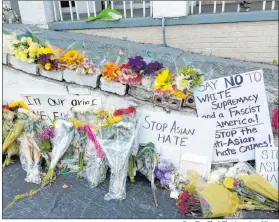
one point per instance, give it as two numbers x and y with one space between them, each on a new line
239 105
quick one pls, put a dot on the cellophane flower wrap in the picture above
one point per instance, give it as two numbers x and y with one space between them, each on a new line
18 125
64 134
250 186
275 117
87 67
7 126
30 155
117 141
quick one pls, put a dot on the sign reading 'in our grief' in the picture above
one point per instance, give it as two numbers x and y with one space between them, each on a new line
267 164
186 141
56 106
239 105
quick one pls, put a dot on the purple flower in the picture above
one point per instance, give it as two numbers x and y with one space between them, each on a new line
153 67
43 58
47 134
137 64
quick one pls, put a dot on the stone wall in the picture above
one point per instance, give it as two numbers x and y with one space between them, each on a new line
246 41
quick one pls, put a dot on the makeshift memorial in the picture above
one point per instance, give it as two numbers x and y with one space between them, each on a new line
117 142
146 161
64 134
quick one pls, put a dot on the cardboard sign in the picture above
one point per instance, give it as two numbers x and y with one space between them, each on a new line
267 164
50 107
186 141
239 105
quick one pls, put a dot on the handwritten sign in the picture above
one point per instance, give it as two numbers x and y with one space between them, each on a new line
267 164
239 105
186 141
56 106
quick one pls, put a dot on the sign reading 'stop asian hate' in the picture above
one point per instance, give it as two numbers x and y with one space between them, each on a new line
239 105
186 141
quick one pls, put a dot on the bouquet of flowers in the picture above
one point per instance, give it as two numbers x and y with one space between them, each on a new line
117 140
86 67
13 133
71 59
64 134
188 203
96 167
47 59
8 124
152 68
163 171
187 78
127 76
249 186
146 161
44 142
29 150
25 49
110 71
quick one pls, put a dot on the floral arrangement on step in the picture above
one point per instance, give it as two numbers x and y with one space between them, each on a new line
87 67
48 59
132 72
180 85
25 49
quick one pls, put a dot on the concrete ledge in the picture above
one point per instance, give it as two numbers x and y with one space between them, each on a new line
229 17
52 74
84 80
25 67
113 87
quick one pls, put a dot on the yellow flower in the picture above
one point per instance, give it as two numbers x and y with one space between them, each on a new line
112 120
47 66
228 182
180 94
72 59
18 103
77 123
164 80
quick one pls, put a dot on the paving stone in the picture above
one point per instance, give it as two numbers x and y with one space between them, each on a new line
30 68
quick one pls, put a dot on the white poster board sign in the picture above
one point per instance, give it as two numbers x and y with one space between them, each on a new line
186 141
267 164
239 105
56 106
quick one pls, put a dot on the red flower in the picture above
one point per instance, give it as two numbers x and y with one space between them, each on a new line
5 107
184 196
120 112
124 66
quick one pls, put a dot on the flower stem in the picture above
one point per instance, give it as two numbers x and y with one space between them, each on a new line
49 177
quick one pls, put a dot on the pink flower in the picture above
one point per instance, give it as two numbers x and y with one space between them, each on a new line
275 119
127 76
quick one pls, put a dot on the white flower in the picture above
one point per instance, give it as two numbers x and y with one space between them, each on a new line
239 169
82 109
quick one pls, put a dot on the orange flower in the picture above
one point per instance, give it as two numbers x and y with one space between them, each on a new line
110 71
